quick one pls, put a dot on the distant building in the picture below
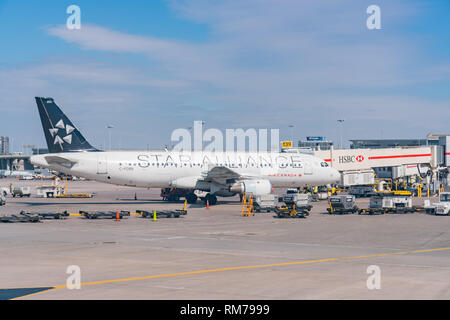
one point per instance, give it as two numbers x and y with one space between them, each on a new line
39 151
4 145
386 143
315 143
431 140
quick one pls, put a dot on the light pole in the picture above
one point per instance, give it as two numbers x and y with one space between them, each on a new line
341 121
291 126
191 140
109 127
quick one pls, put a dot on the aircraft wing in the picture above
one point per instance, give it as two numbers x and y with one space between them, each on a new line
222 174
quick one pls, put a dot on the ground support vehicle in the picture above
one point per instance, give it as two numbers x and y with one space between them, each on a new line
21 192
390 202
105 214
46 215
162 213
19 218
442 207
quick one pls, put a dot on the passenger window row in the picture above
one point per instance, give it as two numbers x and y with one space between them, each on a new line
295 165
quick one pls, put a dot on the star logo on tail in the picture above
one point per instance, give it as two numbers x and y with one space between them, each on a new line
68 133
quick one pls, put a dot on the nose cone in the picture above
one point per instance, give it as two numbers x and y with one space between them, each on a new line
336 175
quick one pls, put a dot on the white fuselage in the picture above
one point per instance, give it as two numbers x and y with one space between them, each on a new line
159 169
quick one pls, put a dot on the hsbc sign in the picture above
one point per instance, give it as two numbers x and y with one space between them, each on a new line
362 159
351 159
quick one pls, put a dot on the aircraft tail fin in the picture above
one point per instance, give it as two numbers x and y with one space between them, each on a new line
60 133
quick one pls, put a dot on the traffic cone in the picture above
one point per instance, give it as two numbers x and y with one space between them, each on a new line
117 216
207 204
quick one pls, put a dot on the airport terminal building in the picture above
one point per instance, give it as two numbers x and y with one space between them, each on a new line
431 140
368 159
316 143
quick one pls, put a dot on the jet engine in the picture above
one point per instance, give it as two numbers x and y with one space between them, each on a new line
257 187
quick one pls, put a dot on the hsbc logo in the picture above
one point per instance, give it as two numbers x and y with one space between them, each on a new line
351 159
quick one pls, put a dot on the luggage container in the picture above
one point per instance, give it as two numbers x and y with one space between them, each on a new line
265 202
300 200
342 204
361 191
296 205
390 202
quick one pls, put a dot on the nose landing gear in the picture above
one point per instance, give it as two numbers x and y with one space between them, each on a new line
191 198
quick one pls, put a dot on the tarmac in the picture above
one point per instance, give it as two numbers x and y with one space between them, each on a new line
217 253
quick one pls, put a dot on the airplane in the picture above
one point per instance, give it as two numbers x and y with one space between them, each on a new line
222 174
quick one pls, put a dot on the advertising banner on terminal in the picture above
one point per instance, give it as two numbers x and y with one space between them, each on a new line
315 138
362 159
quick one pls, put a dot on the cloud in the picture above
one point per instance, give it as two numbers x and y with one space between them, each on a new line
259 44
264 64
92 94
98 38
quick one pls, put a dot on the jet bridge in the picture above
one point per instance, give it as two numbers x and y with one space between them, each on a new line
363 161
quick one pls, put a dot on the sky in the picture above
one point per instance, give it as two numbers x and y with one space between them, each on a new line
150 67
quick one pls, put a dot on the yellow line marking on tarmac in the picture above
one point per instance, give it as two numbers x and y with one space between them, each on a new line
32 294
284 264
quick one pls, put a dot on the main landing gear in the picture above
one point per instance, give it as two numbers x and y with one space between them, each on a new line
211 198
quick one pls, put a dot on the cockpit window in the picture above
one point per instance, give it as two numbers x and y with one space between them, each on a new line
324 164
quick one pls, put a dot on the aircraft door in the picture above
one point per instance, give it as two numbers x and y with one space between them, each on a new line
102 164
308 168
